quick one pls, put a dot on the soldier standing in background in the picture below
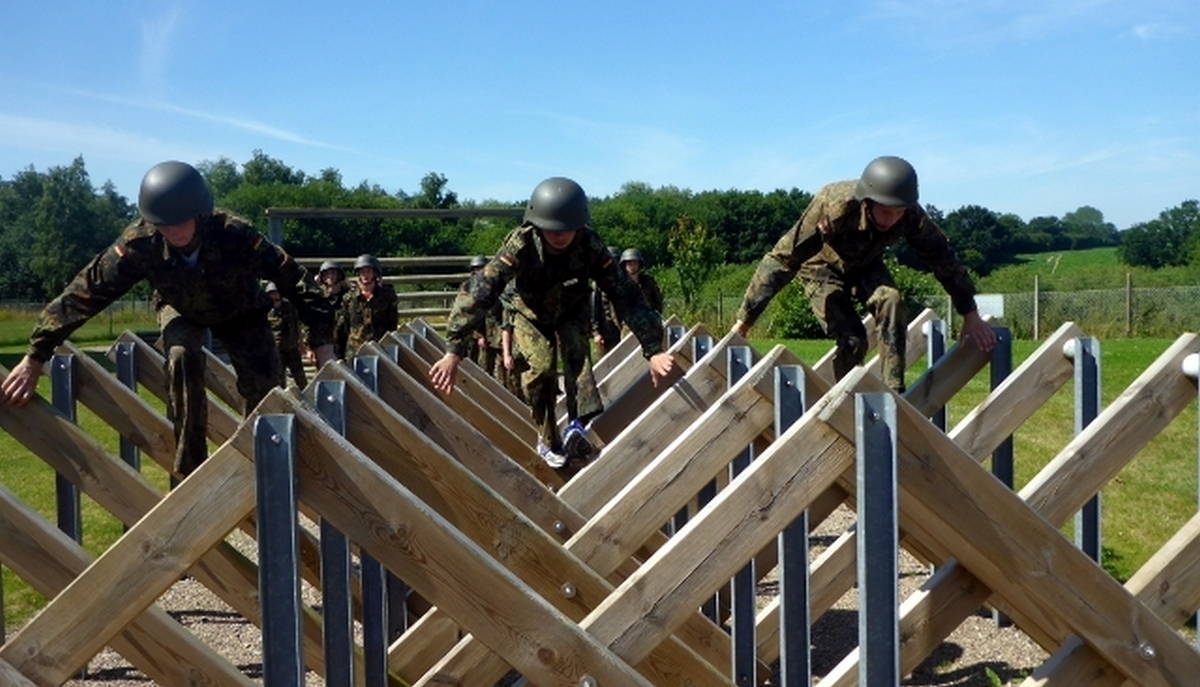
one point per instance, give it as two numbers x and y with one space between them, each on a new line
285 326
205 266
369 310
512 364
550 259
837 249
319 333
632 263
605 328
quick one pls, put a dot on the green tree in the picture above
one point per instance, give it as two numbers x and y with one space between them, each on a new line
697 253
982 241
1170 239
222 176
1085 228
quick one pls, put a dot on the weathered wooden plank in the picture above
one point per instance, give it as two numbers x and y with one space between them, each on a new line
1020 555
632 399
220 378
515 447
627 345
48 561
120 584
430 638
1168 584
446 567
11 677
221 422
528 496
1141 412
673 477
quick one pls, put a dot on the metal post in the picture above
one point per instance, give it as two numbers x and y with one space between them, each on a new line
3 634
935 337
275 229
674 334
393 593
1128 304
278 579
392 351
795 666
1036 307
1087 407
62 396
1002 458
407 340
878 567
127 375
742 608
701 345
335 562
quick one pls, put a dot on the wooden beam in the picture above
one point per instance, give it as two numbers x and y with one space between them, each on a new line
479 513
12 677
1018 554
613 357
135 571
154 642
1168 584
443 565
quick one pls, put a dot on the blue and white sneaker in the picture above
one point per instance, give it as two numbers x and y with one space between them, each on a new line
550 456
576 443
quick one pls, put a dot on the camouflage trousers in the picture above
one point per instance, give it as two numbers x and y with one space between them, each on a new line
255 359
541 346
610 336
832 296
293 364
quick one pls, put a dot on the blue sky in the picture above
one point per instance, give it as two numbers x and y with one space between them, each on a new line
1025 106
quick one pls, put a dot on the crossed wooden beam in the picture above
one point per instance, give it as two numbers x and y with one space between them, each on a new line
431 496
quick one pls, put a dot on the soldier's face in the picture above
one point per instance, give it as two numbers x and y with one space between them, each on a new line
330 277
558 241
632 267
886 216
178 235
366 278
275 297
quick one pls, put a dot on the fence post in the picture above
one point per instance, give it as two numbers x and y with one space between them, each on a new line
384 594
1191 368
999 369
338 620
1036 306
878 567
674 334
278 579
127 375
62 396
742 607
795 668
1129 304
1087 407
275 229
701 345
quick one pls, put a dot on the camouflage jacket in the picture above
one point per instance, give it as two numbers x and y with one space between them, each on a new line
360 320
285 325
319 330
222 287
549 285
835 235
650 290
604 316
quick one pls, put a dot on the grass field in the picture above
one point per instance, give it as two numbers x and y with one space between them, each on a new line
1143 506
1093 268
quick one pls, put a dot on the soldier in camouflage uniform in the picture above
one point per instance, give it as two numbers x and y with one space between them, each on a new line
605 329
369 310
285 326
319 333
837 249
205 266
632 263
512 364
550 258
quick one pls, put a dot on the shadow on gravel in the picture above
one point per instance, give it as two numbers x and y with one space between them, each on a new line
208 617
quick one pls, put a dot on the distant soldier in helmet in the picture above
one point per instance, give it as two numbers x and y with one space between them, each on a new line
205 266
319 334
632 262
606 331
485 347
837 249
550 258
369 310
285 325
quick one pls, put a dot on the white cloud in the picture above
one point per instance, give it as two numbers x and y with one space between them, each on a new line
72 138
1155 30
158 35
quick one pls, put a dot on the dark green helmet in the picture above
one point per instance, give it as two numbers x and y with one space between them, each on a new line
558 204
329 265
631 254
888 180
478 262
368 260
173 192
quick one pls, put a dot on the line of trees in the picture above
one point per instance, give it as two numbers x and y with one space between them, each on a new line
53 222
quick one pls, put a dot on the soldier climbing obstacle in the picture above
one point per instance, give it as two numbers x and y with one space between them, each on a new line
205 266
837 249
550 258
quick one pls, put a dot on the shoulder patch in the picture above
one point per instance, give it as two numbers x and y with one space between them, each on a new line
507 259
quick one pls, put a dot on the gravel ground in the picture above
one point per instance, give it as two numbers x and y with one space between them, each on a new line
961 661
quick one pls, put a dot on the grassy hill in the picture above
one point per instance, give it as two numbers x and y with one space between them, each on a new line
1093 268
